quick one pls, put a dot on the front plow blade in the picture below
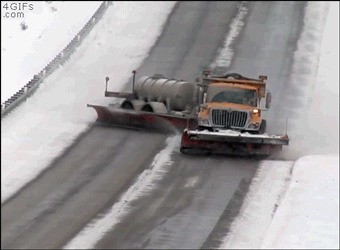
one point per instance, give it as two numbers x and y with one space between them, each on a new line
233 144
142 120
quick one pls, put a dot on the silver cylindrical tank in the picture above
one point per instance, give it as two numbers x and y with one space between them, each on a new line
179 94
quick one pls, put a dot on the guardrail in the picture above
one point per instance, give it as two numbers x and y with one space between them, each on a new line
29 88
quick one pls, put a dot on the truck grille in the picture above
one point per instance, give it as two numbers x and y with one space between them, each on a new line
225 118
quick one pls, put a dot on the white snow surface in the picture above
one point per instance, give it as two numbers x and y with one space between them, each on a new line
265 191
308 216
304 194
38 130
51 25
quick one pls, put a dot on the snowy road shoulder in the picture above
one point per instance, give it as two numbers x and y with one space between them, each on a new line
38 28
290 210
260 204
308 216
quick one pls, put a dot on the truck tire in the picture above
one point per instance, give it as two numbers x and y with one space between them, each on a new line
132 104
126 105
263 127
155 107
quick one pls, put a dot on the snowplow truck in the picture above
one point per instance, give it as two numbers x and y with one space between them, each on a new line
216 114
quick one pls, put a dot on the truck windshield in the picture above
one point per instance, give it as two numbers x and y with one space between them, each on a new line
233 95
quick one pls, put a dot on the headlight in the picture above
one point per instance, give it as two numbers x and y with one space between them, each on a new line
203 122
255 111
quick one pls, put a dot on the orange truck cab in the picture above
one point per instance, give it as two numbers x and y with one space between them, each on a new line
233 102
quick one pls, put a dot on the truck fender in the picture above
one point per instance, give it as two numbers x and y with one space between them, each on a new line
155 107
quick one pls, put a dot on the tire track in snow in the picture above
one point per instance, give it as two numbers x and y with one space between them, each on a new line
95 230
226 53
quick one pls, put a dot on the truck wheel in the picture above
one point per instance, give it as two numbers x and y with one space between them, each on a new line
126 104
155 107
263 127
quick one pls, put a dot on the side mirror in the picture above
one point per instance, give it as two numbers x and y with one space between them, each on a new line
206 72
200 94
268 99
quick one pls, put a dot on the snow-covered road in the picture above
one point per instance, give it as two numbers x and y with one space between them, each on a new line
30 141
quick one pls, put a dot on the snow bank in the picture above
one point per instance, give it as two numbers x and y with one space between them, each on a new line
308 216
290 205
51 25
265 192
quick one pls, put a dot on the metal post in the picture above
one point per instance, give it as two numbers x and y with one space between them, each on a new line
133 80
107 80
168 104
